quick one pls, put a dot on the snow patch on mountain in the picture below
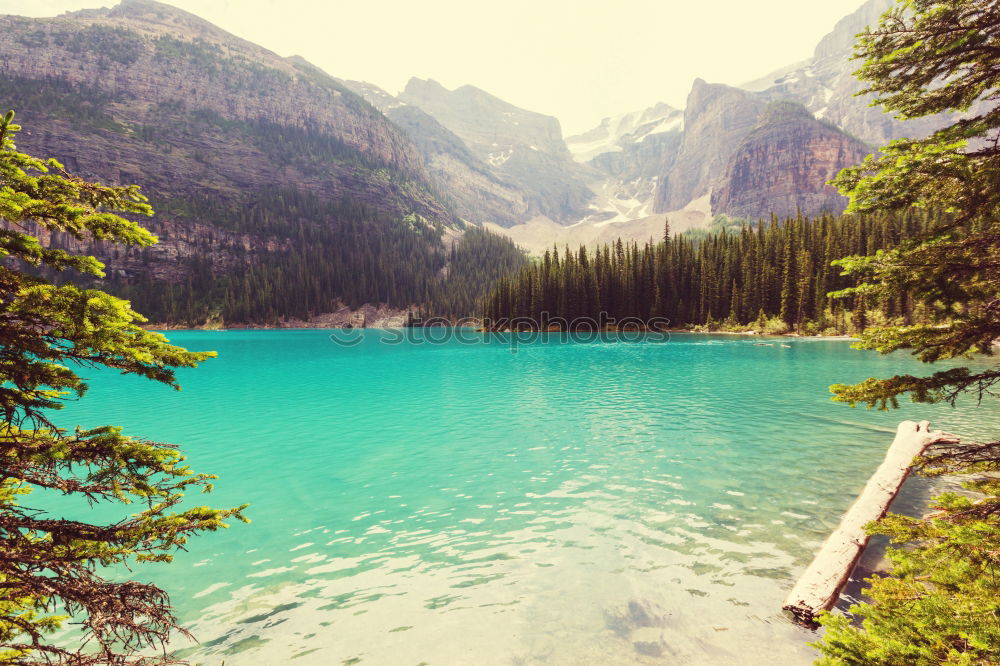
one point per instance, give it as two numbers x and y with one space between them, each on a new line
616 200
613 133
498 158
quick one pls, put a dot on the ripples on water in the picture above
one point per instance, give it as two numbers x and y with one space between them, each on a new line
568 503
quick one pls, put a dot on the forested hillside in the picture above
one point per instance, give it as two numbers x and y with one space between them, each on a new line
774 278
278 192
366 259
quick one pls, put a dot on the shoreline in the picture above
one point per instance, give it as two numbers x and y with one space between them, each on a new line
322 326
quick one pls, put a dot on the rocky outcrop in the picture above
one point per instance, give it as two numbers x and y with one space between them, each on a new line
523 148
477 193
647 159
754 159
716 118
782 166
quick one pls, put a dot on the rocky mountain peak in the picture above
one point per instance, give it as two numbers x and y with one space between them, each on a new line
784 164
523 147
167 18
841 39
704 96
139 8
476 190
423 87
488 124
372 94
717 116
827 86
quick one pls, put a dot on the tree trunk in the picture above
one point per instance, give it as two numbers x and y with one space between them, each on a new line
819 587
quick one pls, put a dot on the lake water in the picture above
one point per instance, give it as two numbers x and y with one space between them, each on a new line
561 502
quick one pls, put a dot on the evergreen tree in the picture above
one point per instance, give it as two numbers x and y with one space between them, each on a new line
49 566
942 602
727 277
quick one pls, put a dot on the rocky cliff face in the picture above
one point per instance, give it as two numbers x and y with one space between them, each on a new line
474 188
715 119
524 148
207 123
783 164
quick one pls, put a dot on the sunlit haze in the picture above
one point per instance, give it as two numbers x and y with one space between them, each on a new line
579 61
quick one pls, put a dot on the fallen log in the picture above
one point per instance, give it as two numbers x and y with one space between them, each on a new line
819 587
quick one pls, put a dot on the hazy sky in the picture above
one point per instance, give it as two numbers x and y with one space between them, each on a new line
579 60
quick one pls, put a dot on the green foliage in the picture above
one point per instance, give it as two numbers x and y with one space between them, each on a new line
50 566
774 326
85 106
203 55
209 60
111 43
941 604
474 265
924 58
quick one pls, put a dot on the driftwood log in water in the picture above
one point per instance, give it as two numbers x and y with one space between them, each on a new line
819 587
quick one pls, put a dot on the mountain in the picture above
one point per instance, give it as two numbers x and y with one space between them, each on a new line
140 66
525 148
278 190
782 166
715 119
826 85
265 168
721 156
631 152
475 189
730 151
754 157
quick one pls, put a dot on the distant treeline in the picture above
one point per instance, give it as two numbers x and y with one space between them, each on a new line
316 273
329 252
774 278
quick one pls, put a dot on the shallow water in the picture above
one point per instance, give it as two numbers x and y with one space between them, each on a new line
562 502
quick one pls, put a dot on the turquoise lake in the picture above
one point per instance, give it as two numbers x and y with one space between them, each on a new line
561 501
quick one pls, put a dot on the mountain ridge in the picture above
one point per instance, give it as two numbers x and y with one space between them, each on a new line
278 190
524 147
